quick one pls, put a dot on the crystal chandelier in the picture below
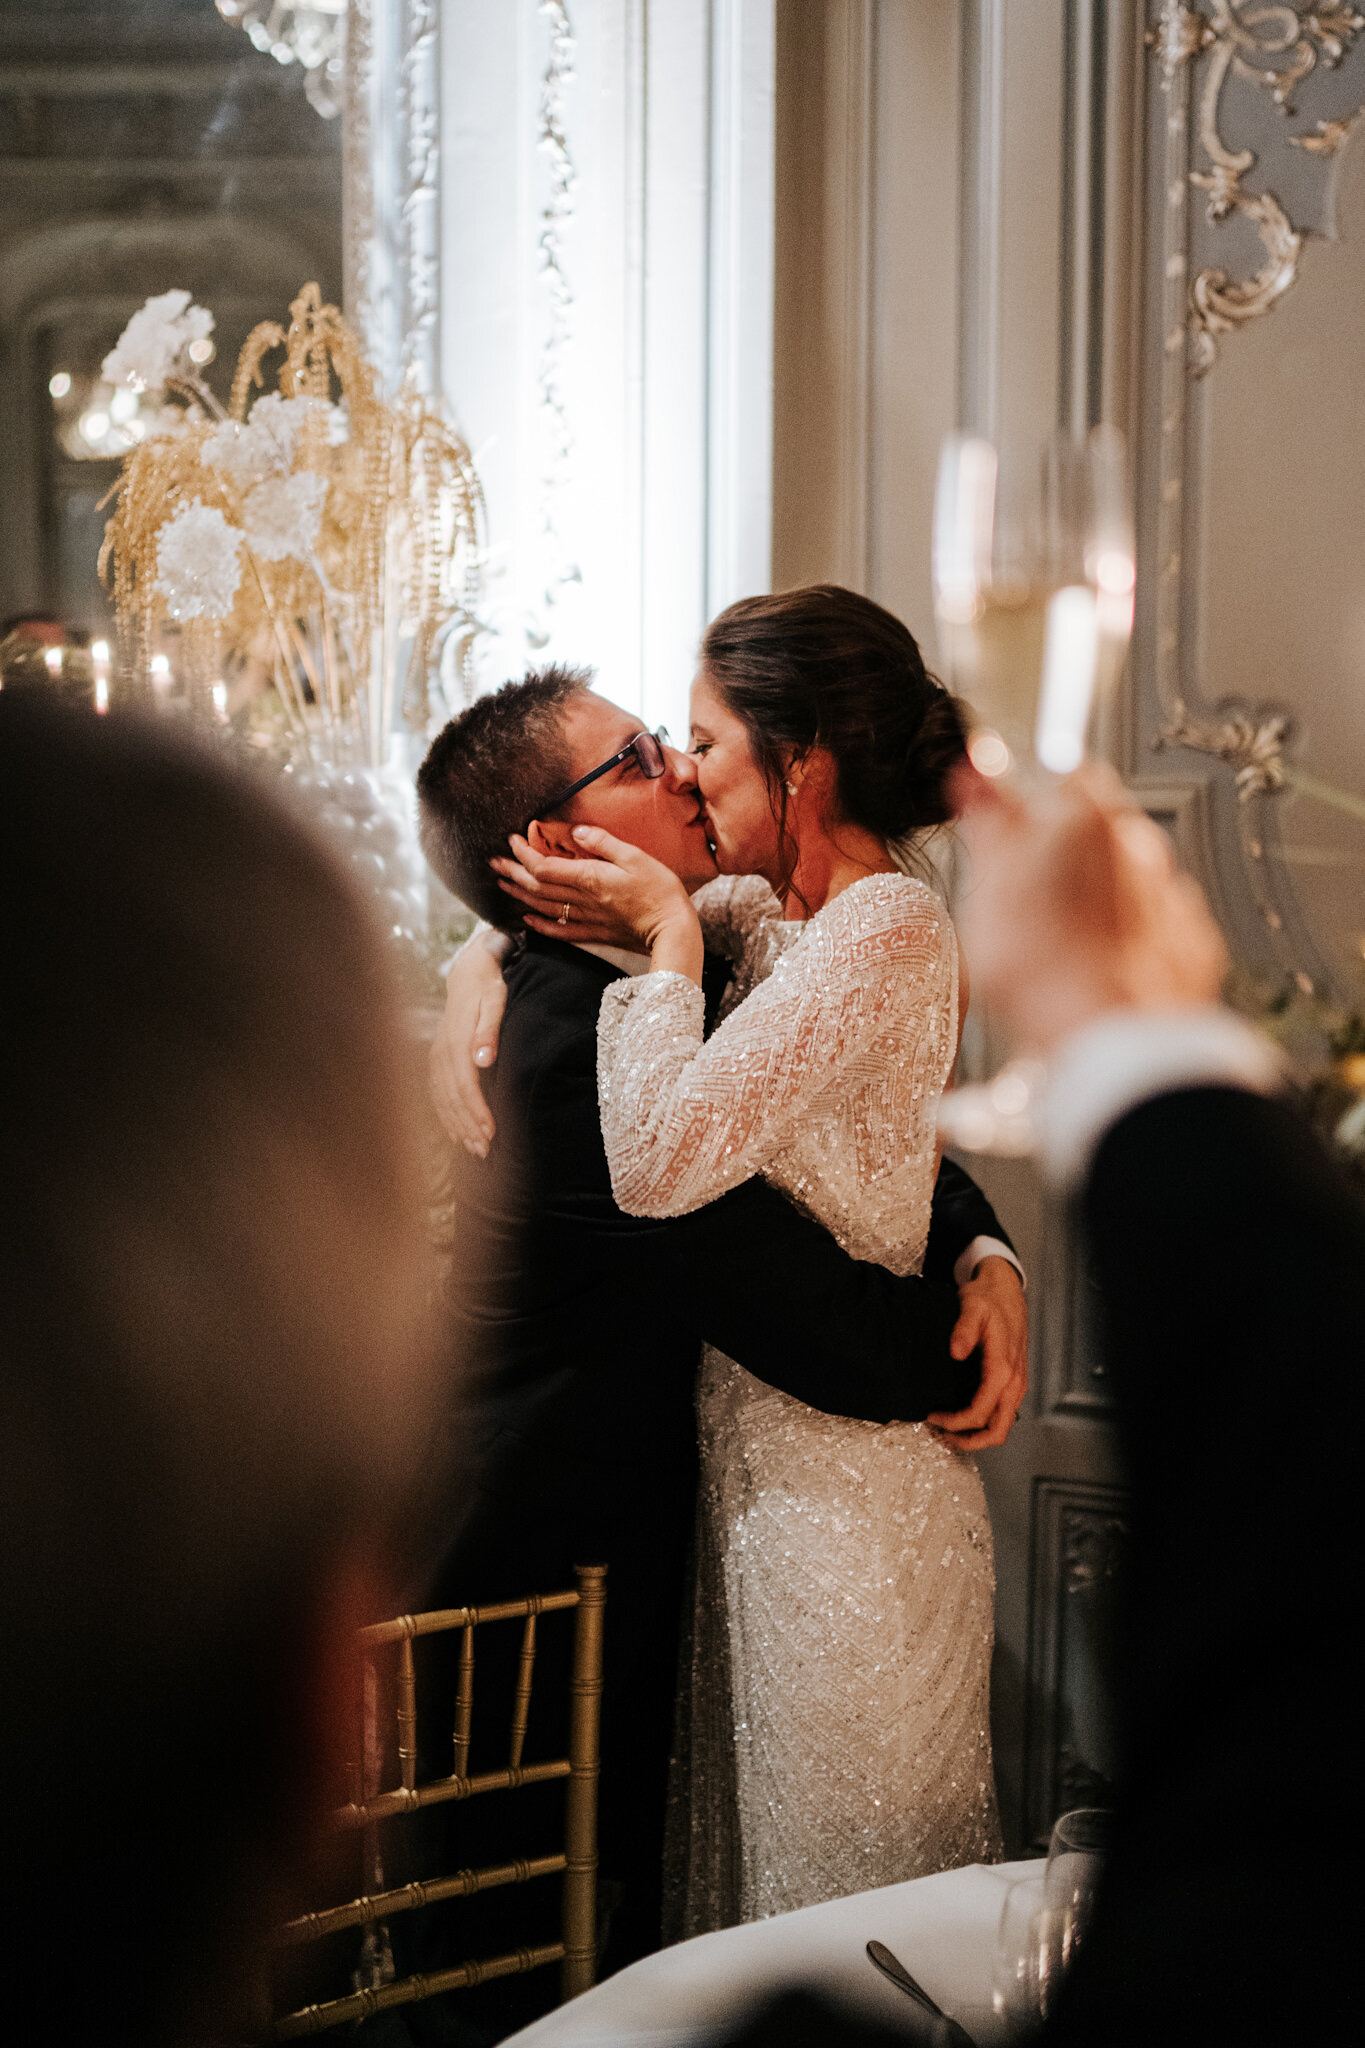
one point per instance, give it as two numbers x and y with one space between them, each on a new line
307 32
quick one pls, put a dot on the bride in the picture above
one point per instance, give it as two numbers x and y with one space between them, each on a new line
839 1718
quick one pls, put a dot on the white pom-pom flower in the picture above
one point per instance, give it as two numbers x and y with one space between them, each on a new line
264 446
152 346
198 565
282 515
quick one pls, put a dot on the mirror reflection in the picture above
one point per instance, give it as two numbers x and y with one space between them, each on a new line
144 145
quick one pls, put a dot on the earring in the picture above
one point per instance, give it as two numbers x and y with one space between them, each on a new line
791 789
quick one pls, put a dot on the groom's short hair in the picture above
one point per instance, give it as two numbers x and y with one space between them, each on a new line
487 774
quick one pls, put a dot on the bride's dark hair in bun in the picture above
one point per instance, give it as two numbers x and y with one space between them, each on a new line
823 667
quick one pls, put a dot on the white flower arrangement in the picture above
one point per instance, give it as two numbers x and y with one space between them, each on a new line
323 532
263 444
282 516
198 566
153 349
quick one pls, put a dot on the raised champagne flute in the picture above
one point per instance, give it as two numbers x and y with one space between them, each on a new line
1033 597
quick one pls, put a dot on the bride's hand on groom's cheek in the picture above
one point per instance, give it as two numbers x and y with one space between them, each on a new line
610 894
993 1318
557 897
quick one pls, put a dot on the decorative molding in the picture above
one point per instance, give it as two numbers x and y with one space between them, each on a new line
1079 1540
1077 1784
981 223
1179 36
357 211
1251 740
1093 1542
561 566
420 203
852 31
1274 47
391 187
1331 137
741 250
1080 1378
1083 195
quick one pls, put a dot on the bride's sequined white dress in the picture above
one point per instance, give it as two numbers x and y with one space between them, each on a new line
840 1732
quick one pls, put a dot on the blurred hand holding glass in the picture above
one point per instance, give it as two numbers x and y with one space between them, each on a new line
1033 593
1033 597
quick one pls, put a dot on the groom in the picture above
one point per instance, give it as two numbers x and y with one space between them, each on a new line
584 1326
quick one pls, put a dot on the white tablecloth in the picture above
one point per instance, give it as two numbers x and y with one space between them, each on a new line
942 1928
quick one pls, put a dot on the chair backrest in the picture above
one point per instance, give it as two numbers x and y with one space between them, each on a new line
576 1950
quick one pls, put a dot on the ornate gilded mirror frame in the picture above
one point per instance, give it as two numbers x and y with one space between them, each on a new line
391 202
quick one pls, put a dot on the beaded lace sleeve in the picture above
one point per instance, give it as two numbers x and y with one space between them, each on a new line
864 1004
733 910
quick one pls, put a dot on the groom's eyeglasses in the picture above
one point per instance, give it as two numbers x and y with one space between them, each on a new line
648 749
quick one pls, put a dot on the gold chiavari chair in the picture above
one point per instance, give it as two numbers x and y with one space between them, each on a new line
576 1951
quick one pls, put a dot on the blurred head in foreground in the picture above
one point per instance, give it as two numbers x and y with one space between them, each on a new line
213 1376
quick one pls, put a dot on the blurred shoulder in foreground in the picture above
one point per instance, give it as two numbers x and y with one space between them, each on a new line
214 1375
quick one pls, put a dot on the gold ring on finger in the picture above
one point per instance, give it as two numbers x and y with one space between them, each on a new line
563 917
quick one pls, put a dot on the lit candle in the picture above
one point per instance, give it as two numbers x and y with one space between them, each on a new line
161 671
99 652
53 661
219 694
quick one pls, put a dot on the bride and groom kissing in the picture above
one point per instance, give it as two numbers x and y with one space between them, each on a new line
714 1100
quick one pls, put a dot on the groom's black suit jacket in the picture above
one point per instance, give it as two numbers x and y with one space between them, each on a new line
581 1330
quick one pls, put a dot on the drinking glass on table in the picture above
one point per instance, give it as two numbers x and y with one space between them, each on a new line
1033 600
1027 1966
1075 1863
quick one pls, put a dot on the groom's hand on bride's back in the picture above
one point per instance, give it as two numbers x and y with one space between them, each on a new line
466 1042
993 1321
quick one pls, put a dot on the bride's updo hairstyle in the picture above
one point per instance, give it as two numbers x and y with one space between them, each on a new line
823 667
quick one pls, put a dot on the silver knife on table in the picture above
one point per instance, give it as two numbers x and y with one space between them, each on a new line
891 1966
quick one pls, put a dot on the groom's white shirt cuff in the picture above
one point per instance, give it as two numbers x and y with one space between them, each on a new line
985 1248
617 956
1129 1057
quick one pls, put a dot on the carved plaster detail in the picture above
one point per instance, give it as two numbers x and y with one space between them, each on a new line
1093 1544
561 566
1331 137
357 212
1274 47
1252 740
1218 304
1179 36
391 194
1079 1539
421 196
